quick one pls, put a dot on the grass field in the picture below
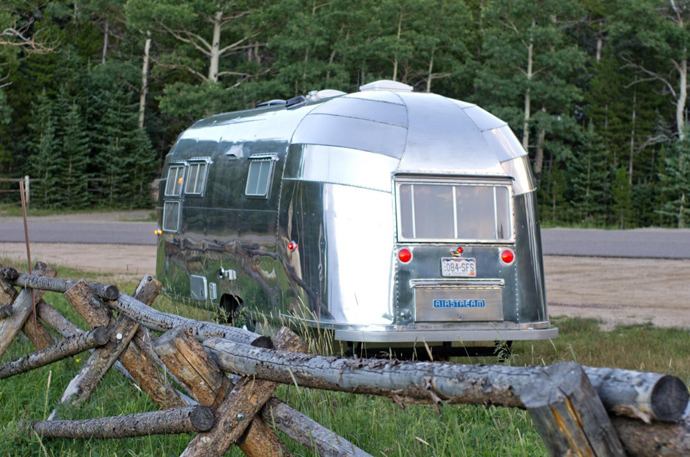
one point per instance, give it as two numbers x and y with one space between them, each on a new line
377 425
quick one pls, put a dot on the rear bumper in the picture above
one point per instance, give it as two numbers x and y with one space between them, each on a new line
465 333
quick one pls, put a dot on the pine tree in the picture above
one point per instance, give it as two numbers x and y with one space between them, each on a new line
622 198
588 171
675 184
75 150
45 161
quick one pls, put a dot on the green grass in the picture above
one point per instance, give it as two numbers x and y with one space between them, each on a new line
15 210
375 424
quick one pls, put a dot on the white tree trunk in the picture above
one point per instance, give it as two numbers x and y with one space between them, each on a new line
214 63
395 62
144 80
106 33
528 99
600 45
633 125
430 72
682 97
539 154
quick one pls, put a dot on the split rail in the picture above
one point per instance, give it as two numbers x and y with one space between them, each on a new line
218 381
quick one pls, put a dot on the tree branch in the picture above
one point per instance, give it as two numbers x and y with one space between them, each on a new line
652 76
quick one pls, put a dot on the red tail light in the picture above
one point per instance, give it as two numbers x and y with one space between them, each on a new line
404 255
507 256
292 246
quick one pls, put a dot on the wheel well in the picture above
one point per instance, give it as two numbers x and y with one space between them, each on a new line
229 307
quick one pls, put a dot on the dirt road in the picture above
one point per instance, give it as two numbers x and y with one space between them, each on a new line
616 291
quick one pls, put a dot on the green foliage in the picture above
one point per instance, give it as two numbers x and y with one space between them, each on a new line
675 184
602 85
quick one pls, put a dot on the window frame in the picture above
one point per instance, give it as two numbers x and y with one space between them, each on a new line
179 214
175 165
255 159
494 183
199 162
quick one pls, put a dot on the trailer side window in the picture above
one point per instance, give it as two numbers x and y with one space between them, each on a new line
454 212
259 177
196 178
171 216
174 181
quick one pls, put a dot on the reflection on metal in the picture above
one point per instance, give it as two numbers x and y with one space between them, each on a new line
322 246
197 287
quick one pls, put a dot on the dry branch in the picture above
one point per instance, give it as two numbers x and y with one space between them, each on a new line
62 349
624 392
178 420
105 291
657 439
53 318
308 432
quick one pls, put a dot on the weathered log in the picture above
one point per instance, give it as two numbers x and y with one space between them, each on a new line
5 311
139 364
7 294
189 362
162 322
84 383
238 409
53 318
60 350
637 394
105 291
177 420
308 432
653 440
22 307
568 413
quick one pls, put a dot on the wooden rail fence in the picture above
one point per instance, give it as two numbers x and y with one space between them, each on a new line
218 381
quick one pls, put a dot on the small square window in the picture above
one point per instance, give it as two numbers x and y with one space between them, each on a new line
259 177
174 181
171 216
196 178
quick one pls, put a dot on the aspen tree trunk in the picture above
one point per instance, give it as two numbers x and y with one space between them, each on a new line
214 64
106 33
682 97
539 156
395 61
528 99
633 125
144 80
430 71
600 45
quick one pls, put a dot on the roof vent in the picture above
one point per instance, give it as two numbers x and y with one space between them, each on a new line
317 95
386 84
274 102
296 101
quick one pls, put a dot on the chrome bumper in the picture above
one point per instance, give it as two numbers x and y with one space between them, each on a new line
467 334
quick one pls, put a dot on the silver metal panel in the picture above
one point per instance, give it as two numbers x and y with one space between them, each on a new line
466 333
344 266
351 167
442 139
378 95
331 130
370 110
483 119
197 287
503 143
523 180
474 303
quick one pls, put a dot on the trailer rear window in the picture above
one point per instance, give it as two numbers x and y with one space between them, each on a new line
174 181
259 177
454 212
171 216
196 178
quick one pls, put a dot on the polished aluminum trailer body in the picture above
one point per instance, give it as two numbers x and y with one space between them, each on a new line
302 211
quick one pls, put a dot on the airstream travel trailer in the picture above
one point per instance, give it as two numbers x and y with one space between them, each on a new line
386 216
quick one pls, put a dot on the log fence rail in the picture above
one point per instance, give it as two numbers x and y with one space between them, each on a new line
218 381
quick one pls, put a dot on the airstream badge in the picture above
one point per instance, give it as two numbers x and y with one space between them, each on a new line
468 303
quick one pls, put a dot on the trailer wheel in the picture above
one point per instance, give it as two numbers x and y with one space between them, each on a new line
229 309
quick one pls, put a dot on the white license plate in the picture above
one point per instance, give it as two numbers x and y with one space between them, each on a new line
459 268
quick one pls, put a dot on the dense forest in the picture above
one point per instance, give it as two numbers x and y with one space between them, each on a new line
94 92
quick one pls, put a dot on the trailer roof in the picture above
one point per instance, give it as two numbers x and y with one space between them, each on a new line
426 132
